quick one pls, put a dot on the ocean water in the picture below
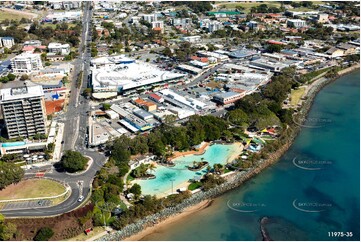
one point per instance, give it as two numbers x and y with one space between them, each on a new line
162 184
311 191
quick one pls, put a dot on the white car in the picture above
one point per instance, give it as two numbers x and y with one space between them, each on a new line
81 198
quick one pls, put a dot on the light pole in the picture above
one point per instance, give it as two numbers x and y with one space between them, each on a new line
172 180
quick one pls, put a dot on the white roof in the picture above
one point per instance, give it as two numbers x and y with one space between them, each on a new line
26 55
190 102
181 113
189 68
128 76
57 45
26 91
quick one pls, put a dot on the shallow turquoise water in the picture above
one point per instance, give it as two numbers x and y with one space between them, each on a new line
216 153
328 193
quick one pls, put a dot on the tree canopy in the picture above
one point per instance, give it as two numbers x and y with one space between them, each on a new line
73 161
7 230
44 234
10 173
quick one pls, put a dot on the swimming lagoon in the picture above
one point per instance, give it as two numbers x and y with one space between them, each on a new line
168 178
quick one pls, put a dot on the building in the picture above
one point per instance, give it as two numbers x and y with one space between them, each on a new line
190 69
297 13
55 57
158 25
31 49
252 25
26 63
267 64
242 54
111 114
7 42
296 23
32 43
130 120
227 97
134 19
347 48
60 49
183 22
21 147
192 39
125 76
156 98
63 16
57 5
293 39
70 5
143 114
183 102
214 26
211 25
219 57
322 18
150 17
23 109
334 52
149 106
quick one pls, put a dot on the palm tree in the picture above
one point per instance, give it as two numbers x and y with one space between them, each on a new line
194 164
209 169
151 167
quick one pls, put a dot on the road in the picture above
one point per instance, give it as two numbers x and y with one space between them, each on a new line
76 115
75 119
72 180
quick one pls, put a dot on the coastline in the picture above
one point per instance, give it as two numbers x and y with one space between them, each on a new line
138 230
175 218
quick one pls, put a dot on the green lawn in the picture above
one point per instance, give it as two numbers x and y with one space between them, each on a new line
247 6
226 171
296 95
309 76
194 185
32 188
11 16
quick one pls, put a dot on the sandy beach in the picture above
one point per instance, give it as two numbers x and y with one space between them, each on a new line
151 230
235 155
168 192
191 152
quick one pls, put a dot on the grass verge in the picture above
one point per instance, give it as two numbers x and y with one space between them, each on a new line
194 186
84 237
10 16
32 188
296 95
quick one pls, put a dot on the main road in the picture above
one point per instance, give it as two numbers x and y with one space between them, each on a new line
75 130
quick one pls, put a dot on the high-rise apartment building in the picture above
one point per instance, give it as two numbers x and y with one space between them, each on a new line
23 109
